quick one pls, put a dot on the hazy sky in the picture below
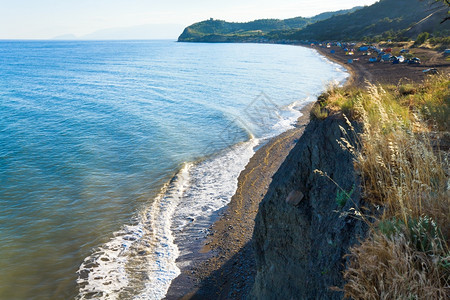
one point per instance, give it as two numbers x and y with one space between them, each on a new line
41 19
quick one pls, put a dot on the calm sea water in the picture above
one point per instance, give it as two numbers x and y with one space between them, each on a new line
109 150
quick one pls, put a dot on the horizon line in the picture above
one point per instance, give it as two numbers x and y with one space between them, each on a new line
85 40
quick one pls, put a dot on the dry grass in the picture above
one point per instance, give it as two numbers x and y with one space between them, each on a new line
404 177
388 268
400 170
405 101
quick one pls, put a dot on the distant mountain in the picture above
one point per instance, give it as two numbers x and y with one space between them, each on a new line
142 32
222 31
65 37
386 19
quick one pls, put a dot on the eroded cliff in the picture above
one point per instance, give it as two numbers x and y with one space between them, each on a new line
304 228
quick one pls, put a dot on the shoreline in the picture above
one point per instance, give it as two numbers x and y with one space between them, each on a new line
227 251
224 266
352 78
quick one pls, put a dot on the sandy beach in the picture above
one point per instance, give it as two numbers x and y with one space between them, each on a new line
224 268
363 71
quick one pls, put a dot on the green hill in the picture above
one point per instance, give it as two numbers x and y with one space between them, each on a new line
329 14
220 31
386 18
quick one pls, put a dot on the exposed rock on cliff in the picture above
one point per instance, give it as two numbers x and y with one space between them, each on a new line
302 232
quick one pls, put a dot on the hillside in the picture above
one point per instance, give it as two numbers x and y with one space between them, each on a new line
329 14
220 31
386 19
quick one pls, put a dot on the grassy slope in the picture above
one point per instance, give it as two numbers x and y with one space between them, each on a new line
386 15
210 29
405 182
223 28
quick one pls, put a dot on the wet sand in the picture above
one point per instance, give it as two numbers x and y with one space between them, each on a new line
224 267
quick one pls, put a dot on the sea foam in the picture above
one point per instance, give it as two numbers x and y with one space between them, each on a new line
139 262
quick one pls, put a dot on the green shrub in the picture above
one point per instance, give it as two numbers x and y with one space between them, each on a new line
407 89
342 196
318 113
421 38
425 235
390 227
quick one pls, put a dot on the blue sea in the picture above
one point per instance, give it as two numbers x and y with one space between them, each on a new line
110 149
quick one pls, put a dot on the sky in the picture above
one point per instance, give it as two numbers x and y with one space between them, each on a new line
46 19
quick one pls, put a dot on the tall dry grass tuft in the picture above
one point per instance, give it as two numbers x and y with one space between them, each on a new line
399 168
388 268
406 254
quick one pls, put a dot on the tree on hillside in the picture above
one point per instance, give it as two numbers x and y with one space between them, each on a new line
422 38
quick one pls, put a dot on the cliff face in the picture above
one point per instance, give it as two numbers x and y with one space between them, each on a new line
301 232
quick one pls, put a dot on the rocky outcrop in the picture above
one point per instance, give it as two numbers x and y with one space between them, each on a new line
303 229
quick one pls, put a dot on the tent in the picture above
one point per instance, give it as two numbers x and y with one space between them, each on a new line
386 57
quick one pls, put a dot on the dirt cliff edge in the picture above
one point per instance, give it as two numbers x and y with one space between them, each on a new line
304 228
